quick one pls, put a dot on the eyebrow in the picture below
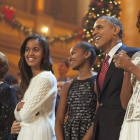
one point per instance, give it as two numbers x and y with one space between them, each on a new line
72 51
33 47
100 25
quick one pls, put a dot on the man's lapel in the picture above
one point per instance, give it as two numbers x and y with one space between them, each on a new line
111 69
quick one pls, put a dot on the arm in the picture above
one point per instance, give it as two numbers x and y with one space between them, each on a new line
135 70
126 90
62 108
42 91
124 62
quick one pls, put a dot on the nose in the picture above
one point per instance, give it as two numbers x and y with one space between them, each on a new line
69 58
30 52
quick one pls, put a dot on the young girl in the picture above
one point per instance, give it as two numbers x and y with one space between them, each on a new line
78 97
39 87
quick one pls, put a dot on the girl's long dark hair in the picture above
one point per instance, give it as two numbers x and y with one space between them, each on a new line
25 70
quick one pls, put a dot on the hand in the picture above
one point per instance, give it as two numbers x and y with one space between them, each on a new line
20 105
15 129
122 60
66 116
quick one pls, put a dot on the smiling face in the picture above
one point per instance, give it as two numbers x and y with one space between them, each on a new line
103 35
62 68
33 54
77 57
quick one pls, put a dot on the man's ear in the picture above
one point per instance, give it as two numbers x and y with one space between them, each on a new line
116 30
88 53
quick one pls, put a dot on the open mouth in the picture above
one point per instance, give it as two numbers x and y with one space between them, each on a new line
31 59
72 61
96 39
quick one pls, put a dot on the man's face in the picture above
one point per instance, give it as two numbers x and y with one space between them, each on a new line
62 68
103 34
59 87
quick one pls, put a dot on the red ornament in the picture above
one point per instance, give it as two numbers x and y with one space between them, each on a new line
80 32
99 5
8 12
111 6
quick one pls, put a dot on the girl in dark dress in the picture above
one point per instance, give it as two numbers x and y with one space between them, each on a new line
78 97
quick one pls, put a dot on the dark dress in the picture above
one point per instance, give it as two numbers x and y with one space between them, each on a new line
8 101
81 104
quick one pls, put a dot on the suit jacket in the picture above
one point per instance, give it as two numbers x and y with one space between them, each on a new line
110 114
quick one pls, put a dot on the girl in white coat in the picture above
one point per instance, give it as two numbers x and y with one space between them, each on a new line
39 87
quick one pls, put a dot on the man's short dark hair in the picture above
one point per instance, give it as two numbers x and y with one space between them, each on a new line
10 79
114 21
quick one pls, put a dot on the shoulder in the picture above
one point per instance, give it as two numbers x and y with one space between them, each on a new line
6 87
131 50
65 88
7 90
45 77
68 83
136 56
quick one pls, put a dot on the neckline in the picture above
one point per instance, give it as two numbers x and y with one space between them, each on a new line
86 78
39 74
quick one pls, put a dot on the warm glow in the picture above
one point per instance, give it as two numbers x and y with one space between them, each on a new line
45 29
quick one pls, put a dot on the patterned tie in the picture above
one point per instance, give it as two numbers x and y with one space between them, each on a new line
103 72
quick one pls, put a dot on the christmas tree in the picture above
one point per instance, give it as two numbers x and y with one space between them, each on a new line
99 8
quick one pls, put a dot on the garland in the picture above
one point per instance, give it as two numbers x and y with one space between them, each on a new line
8 13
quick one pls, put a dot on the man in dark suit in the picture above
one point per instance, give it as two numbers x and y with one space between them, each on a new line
107 35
